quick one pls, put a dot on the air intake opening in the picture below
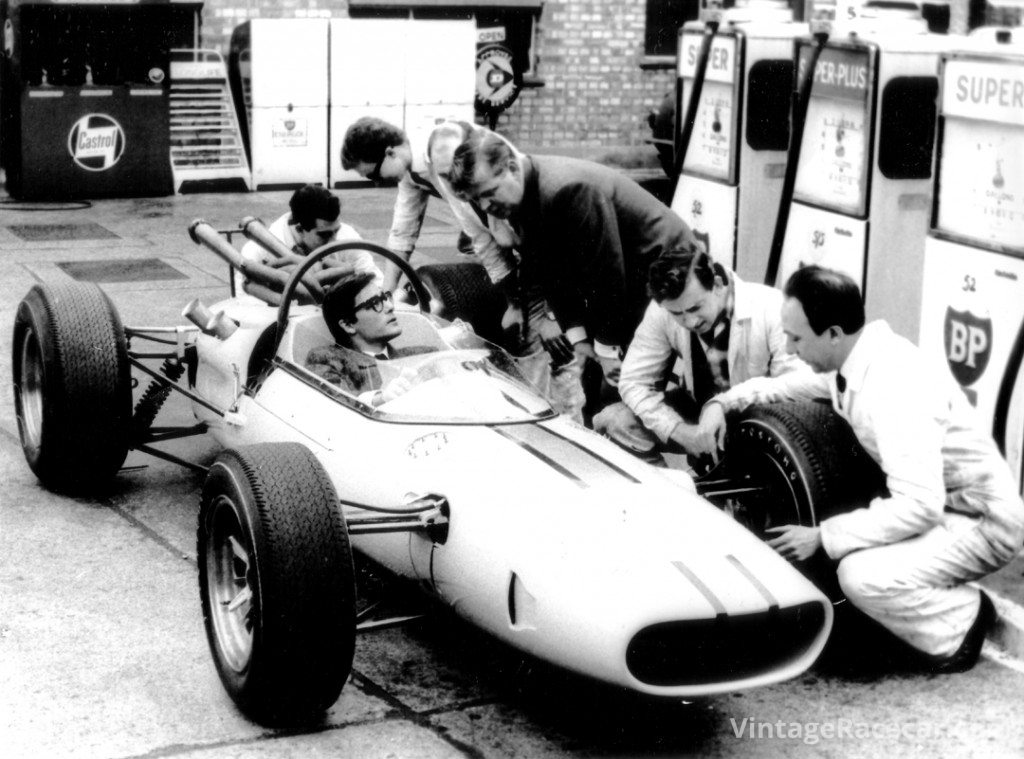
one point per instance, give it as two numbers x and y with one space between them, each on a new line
732 647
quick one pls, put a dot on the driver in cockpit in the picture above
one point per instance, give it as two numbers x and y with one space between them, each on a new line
361 318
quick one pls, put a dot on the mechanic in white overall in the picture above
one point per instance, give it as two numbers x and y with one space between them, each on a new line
313 220
379 151
720 329
953 514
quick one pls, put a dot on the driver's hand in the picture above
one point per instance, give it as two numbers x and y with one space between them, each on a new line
583 350
400 385
710 435
512 327
554 341
611 368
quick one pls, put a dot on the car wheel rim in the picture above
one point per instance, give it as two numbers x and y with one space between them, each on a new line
30 390
230 585
773 506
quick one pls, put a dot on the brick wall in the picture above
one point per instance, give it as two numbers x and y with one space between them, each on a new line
588 55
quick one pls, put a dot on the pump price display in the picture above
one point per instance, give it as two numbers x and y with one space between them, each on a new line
834 153
981 158
712 145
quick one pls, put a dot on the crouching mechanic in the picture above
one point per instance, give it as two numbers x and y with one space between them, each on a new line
721 330
952 514
313 220
361 318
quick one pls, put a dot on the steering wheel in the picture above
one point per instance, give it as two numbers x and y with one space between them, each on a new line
422 295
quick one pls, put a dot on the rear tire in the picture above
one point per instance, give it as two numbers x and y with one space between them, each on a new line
276 582
72 386
465 292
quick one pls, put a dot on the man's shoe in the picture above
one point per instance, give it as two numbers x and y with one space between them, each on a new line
966 656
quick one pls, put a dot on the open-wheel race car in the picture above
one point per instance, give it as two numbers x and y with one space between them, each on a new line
537 530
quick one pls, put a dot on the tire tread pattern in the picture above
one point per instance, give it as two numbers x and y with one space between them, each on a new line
305 637
86 385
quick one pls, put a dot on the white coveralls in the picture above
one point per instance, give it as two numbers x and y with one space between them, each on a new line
954 514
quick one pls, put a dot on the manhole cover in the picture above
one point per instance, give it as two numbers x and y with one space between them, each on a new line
52 232
120 270
49 233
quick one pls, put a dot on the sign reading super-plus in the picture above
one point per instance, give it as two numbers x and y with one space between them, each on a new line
838 73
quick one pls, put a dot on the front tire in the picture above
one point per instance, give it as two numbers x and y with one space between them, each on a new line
807 465
807 458
72 385
276 582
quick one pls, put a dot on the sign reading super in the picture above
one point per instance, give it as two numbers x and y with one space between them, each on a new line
987 90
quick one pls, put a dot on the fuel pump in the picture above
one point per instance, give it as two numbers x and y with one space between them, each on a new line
861 172
973 284
734 75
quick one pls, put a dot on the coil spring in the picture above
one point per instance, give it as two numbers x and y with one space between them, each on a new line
152 400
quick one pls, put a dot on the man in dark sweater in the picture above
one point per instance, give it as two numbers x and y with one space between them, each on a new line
587 234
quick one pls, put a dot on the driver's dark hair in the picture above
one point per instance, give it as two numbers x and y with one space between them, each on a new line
666 277
481 147
367 139
339 301
313 202
829 298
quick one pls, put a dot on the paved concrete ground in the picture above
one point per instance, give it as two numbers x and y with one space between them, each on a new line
102 651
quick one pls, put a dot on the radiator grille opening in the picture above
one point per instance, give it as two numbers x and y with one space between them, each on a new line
727 647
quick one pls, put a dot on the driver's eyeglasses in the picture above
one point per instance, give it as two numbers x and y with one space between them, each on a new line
375 303
325 234
374 176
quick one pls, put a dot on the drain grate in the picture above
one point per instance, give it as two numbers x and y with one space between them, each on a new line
53 232
120 270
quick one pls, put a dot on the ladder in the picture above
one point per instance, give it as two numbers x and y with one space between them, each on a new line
207 152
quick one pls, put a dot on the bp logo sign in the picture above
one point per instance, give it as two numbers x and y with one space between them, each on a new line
96 142
968 340
497 82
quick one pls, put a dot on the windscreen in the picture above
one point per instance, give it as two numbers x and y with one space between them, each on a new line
470 381
981 157
835 153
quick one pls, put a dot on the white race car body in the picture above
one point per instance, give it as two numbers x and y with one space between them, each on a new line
559 543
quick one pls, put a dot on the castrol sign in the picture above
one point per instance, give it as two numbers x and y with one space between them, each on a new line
96 142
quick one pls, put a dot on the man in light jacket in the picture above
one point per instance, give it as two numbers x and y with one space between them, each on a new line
716 328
